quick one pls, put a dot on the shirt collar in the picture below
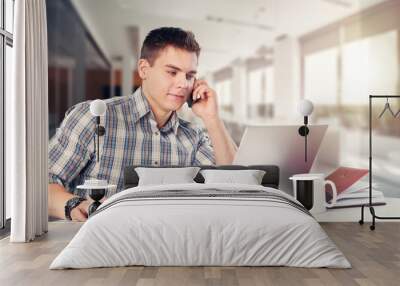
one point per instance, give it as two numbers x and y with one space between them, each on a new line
172 123
142 108
140 105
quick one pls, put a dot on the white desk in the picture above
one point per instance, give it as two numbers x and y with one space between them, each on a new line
392 209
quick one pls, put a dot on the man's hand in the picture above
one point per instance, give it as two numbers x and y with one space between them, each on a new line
58 197
80 213
206 107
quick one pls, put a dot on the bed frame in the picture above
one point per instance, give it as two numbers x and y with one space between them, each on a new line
270 179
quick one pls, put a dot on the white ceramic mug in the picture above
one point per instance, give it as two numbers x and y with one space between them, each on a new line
319 188
319 194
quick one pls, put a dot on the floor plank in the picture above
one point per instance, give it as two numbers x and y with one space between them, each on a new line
374 255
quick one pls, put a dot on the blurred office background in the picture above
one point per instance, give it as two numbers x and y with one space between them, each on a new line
261 56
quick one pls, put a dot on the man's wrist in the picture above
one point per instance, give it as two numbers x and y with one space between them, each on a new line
70 205
212 122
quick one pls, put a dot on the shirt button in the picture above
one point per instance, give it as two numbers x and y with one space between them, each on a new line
155 163
156 133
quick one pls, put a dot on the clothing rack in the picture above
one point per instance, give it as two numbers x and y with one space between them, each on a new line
371 208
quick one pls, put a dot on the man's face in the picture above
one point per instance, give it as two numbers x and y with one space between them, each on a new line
169 81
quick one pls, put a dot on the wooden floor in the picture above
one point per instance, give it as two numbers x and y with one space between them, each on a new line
374 255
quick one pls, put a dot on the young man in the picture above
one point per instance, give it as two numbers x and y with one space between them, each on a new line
141 129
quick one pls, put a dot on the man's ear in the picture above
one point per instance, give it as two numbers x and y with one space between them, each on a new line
143 66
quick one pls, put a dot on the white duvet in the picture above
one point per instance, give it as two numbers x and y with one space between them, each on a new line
209 229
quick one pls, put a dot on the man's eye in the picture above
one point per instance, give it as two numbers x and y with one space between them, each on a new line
172 72
189 77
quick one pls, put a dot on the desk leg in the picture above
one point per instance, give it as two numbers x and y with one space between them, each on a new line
361 221
371 209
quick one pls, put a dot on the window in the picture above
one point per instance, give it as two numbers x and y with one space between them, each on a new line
224 92
9 16
269 97
8 86
6 43
256 87
261 92
321 77
370 66
261 86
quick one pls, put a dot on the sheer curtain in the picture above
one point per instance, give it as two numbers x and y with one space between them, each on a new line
27 124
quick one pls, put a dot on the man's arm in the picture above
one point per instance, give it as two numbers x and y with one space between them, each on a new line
68 155
223 145
207 109
58 197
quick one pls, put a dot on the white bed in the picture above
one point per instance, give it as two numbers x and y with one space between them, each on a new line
201 224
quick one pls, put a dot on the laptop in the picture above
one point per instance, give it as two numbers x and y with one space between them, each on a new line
280 145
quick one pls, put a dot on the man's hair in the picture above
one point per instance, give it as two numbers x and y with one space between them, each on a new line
158 39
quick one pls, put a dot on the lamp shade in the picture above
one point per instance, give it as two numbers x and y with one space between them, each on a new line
98 107
305 107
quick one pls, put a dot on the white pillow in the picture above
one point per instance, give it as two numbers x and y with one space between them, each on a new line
162 176
248 177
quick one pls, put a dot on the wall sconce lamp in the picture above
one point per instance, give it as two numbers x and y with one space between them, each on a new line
97 109
305 108
96 188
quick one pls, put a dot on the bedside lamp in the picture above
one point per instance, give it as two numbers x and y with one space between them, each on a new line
97 109
305 108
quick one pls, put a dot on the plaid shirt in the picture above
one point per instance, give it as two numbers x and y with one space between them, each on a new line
131 138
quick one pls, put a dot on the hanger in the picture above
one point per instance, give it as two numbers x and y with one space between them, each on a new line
397 114
387 107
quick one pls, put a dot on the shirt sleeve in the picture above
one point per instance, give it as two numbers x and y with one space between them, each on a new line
69 148
205 152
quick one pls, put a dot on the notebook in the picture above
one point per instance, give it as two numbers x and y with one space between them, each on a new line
352 188
344 177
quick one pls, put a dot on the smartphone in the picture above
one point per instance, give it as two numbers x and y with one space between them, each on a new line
190 100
